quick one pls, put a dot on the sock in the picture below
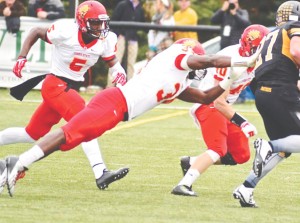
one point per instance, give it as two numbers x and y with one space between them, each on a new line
190 177
252 180
15 135
92 152
288 144
31 155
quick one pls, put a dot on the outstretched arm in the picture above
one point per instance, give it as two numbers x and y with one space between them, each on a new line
34 34
194 95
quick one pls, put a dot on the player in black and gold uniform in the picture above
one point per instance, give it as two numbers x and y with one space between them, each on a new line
277 98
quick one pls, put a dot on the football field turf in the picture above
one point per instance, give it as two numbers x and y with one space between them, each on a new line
61 188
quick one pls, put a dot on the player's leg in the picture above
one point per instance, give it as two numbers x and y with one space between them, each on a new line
244 192
131 59
15 135
215 139
237 144
75 103
90 123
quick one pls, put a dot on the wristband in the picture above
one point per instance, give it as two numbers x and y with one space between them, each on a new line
237 119
184 64
239 62
117 67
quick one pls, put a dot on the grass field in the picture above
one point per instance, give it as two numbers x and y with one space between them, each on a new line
61 188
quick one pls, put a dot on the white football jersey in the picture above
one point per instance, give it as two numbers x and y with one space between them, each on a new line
218 74
71 57
161 81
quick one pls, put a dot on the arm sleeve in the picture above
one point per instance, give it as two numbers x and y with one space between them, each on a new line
217 17
110 48
59 13
18 10
242 18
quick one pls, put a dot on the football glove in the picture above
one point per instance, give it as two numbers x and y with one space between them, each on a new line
119 78
118 74
230 77
19 66
248 129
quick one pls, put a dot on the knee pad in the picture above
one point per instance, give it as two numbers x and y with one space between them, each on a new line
213 155
228 160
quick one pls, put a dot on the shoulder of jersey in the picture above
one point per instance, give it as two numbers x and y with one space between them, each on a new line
65 27
111 35
291 24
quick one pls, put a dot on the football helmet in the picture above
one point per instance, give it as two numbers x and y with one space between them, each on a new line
191 44
250 39
92 18
288 11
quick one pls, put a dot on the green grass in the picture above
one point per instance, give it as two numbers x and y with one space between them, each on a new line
61 188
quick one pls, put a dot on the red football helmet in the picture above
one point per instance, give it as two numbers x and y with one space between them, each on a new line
251 38
92 18
191 44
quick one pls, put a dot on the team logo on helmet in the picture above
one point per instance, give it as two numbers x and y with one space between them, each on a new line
188 44
83 10
253 34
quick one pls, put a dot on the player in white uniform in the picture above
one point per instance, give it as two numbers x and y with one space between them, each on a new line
224 131
76 47
163 79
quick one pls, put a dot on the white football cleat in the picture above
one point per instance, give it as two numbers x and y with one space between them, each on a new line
263 151
3 175
245 195
14 169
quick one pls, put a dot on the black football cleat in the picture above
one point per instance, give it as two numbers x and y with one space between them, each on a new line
110 176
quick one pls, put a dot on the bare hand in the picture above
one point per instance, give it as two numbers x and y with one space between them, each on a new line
42 14
7 11
225 6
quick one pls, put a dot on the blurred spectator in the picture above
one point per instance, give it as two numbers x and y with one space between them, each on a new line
160 40
12 10
46 9
233 21
127 10
185 16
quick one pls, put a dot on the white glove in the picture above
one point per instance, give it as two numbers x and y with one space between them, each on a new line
118 74
119 78
247 61
236 72
248 129
230 77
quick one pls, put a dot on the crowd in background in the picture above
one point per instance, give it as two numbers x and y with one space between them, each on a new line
230 17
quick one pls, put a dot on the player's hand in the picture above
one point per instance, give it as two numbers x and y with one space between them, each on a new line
252 59
248 129
119 78
236 72
19 66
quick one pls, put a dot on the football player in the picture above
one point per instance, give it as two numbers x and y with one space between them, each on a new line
277 98
224 131
154 85
77 47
